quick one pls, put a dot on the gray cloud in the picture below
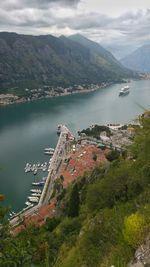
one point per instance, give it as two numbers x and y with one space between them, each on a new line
64 16
85 21
30 13
38 4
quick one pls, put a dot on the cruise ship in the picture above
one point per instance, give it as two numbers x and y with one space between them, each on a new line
124 90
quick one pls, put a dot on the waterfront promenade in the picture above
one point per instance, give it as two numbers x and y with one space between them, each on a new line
59 154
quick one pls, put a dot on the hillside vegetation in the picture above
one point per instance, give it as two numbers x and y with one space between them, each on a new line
34 61
103 217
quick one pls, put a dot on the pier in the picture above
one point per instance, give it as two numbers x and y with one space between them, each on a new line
60 152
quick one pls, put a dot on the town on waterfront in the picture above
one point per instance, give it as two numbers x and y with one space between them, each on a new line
27 95
94 146
48 92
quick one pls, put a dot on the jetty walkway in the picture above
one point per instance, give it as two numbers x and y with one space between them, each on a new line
59 153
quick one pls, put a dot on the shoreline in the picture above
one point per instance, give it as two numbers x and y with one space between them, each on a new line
24 100
10 99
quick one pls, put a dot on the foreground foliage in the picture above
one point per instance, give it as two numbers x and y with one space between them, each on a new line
106 216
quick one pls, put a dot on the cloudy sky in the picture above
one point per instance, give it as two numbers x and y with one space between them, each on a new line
113 23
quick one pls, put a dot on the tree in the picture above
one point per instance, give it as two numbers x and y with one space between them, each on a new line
61 177
94 157
114 154
51 223
73 209
134 229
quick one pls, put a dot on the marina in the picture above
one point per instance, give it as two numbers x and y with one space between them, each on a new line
60 152
34 168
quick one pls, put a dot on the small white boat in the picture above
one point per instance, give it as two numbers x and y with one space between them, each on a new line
41 183
35 183
48 152
27 169
12 214
36 191
49 149
36 194
33 199
35 172
28 203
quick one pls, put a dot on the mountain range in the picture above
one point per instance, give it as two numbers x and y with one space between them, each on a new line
29 61
139 60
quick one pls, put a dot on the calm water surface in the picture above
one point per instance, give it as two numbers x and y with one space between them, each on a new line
26 129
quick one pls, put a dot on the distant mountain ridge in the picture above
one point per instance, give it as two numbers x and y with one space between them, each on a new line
139 60
27 60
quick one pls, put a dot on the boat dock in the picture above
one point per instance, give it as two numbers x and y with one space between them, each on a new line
59 153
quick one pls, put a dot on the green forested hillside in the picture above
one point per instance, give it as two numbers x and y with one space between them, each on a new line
32 61
101 53
104 217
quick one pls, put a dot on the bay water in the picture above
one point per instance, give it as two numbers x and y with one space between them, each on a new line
27 128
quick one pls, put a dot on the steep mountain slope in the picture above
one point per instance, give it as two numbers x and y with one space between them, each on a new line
102 55
37 60
138 60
